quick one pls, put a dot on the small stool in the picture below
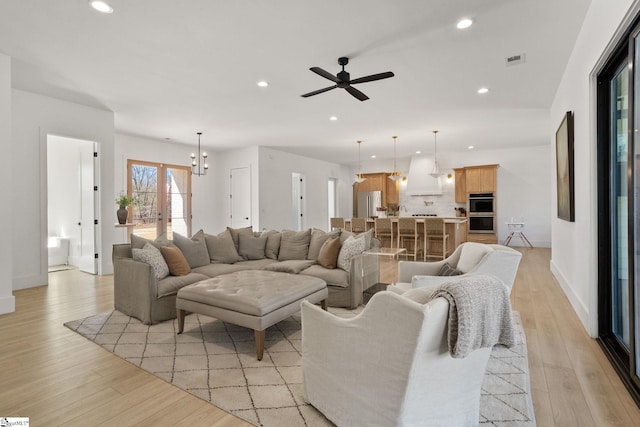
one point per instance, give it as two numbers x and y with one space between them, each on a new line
515 230
253 299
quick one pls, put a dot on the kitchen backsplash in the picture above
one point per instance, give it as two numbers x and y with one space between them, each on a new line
442 205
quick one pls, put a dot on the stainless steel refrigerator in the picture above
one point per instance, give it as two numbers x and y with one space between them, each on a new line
368 201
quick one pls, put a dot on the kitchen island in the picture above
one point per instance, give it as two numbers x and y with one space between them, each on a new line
455 227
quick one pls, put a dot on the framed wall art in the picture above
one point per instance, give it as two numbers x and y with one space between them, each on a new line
564 168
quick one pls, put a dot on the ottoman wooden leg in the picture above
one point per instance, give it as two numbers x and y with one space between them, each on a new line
181 314
323 304
259 344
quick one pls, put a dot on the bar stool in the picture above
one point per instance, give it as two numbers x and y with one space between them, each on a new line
515 230
435 237
408 229
337 223
358 225
384 229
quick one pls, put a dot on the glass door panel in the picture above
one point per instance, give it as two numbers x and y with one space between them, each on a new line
144 188
178 191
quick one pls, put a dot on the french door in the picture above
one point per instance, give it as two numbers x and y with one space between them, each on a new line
619 211
162 195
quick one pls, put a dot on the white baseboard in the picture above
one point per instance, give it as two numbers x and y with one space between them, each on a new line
26 282
7 304
576 303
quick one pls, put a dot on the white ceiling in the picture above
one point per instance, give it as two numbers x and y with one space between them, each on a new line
169 69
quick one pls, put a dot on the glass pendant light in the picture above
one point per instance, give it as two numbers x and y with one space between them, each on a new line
436 168
359 177
395 176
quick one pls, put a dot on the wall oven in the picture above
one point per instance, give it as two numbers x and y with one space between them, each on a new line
482 217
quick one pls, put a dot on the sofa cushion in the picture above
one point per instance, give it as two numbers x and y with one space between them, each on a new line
221 248
256 264
251 247
328 256
213 270
318 237
178 264
344 235
194 249
170 285
236 232
471 255
335 277
272 248
350 248
368 236
138 242
289 266
447 270
294 245
152 256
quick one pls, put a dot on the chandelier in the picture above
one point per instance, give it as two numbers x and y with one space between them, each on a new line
359 177
436 168
395 176
199 168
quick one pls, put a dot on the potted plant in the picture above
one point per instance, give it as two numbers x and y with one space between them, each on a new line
123 201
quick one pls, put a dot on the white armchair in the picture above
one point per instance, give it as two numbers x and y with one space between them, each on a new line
471 258
389 366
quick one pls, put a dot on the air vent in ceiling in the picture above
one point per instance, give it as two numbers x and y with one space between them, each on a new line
515 60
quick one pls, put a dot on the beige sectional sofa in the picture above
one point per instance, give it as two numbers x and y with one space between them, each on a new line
141 292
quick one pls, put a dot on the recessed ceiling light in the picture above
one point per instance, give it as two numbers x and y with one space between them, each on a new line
418 152
464 23
263 83
373 156
483 90
470 147
333 118
101 6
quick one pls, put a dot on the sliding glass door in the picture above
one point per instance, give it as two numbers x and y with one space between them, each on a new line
618 211
163 198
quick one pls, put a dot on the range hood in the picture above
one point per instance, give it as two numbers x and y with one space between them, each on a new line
419 182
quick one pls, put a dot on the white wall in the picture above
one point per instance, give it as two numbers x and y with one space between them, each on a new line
574 252
33 117
7 300
276 168
204 188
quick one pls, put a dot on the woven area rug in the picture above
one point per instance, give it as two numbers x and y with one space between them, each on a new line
216 361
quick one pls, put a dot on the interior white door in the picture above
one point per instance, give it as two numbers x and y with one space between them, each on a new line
297 201
87 260
240 197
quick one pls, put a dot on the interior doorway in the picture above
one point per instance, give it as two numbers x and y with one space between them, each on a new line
71 203
240 197
297 199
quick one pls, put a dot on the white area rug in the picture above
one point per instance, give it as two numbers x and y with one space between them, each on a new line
216 361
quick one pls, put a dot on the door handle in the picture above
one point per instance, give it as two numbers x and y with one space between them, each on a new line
80 224
246 217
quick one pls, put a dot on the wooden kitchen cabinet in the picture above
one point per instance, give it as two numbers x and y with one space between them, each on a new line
480 179
461 185
392 196
378 182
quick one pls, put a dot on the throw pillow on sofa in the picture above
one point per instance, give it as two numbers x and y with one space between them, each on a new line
236 232
194 249
294 245
221 248
178 265
328 256
350 248
252 247
447 270
151 255
272 248
138 242
318 237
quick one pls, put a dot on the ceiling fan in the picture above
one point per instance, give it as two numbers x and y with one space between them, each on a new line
342 80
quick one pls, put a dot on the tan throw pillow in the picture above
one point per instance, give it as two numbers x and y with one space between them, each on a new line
252 247
178 265
194 249
294 245
318 237
236 232
328 257
272 248
221 248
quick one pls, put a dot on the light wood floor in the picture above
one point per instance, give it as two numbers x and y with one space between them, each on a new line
54 376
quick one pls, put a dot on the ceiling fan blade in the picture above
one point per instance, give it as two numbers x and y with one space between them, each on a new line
372 77
315 92
327 75
356 93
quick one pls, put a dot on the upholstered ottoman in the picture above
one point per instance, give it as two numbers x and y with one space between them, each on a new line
253 299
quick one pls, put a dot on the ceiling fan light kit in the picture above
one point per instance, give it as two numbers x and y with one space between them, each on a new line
343 80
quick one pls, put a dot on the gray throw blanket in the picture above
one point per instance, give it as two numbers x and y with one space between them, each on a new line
479 314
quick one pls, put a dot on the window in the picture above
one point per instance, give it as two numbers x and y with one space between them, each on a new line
163 198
